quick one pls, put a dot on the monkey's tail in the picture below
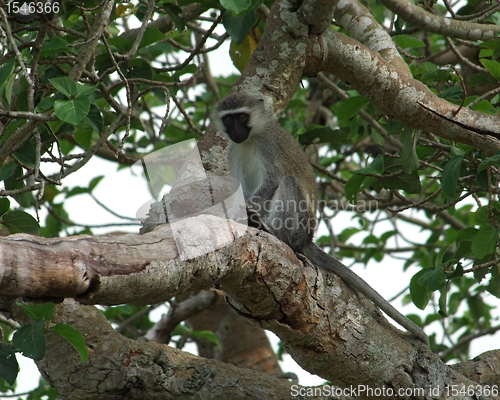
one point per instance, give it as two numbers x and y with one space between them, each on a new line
323 260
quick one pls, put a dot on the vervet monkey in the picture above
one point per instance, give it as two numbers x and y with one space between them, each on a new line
279 188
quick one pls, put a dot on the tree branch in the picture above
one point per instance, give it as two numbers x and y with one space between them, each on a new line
319 319
422 19
405 99
362 26
119 367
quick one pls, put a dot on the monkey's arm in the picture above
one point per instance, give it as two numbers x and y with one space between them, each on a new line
323 260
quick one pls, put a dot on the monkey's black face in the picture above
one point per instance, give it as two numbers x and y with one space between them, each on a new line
237 126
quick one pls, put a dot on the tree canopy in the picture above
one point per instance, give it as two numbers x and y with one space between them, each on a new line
396 104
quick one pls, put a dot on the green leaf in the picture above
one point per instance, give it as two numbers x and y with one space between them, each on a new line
4 205
7 170
20 222
94 182
11 183
491 44
408 42
94 119
440 257
481 216
30 340
432 278
83 137
484 106
153 35
466 234
206 3
407 182
480 274
120 43
463 249
27 154
72 111
399 24
76 191
494 285
486 53
6 90
481 78
238 26
85 90
75 338
481 179
386 235
123 311
425 68
453 94
377 137
492 66
241 52
6 72
376 167
9 367
174 12
47 103
443 298
351 107
439 75
347 233
451 173
352 188
485 241
420 295
237 6
64 85
493 161
409 154
139 69
458 273
37 311
476 307
322 134
56 45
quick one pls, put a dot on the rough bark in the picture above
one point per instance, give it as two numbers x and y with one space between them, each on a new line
288 52
325 326
429 22
121 368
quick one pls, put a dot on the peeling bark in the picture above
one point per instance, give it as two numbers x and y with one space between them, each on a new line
325 326
401 97
121 368
422 19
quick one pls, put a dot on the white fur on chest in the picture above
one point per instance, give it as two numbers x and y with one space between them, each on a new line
246 165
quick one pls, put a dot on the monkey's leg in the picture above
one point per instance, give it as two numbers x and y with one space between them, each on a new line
288 218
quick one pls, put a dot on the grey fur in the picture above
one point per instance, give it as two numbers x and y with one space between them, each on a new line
274 171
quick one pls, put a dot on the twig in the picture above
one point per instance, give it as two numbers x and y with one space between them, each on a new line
464 91
467 339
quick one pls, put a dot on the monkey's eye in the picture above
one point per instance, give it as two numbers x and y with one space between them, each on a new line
227 120
243 117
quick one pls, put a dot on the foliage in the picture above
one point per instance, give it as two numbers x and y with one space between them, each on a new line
29 339
409 194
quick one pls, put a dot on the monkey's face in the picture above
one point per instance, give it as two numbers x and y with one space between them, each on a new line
236 126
